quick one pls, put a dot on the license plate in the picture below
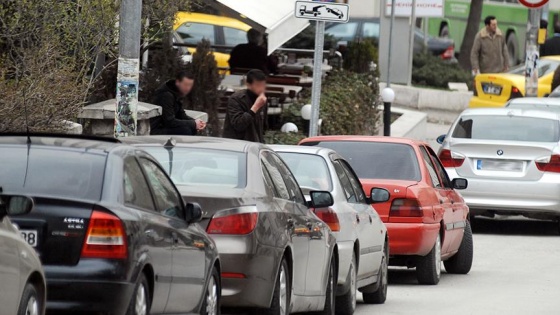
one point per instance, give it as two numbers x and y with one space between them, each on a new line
492 89
499 165
30 236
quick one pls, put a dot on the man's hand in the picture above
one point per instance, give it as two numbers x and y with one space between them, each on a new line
200 124
475 72
259 103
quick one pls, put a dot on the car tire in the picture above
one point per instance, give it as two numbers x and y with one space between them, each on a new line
140 302
461 262
428 268
346 304
30 303
380 295
211 303
282 293
330 308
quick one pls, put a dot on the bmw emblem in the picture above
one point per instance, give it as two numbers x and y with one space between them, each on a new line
500 152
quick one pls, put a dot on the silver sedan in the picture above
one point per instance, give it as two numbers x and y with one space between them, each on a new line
511 158
361 235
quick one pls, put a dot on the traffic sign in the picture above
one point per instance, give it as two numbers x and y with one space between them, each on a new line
533 3
322 11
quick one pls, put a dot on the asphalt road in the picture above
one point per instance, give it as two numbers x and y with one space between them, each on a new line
516 270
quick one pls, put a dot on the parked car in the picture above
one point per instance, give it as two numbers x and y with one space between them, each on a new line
363 245
277 256
495 89
22 282
110 228
511 158
535 103
426 218
359 29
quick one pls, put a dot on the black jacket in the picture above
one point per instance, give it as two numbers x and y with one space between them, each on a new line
249 56
173 115
551 47
241 123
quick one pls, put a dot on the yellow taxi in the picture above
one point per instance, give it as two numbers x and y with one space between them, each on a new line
222 31
495 89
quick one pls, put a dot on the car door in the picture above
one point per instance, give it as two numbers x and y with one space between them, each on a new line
189 259
9 268
156 232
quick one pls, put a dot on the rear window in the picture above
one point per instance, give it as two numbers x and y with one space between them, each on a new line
44 171
510 128
193 166
311 171
378 160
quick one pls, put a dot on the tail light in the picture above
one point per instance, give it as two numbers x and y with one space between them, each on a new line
406 208
449 53
233 275
328 215
549 164
234 223
449 158
515 93
105 237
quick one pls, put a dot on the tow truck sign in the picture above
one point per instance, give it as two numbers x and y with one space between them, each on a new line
322 11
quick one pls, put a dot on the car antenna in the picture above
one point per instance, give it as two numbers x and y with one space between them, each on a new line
26 121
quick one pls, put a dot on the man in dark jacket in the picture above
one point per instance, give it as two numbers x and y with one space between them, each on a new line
251 55
246 110
551 46
174 120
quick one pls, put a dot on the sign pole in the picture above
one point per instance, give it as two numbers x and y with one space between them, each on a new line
411 36
390 43
317 77
532 54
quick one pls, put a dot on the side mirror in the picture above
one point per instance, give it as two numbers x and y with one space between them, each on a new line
460 183
193 212
15 205
321 199
379 195
440 139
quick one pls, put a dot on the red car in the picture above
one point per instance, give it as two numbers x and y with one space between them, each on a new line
427 220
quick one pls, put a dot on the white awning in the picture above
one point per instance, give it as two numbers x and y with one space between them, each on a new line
276 17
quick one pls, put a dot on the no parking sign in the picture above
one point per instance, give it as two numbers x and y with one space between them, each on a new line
533 3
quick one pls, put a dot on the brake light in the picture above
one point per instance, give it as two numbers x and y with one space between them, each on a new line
328 215
449 53
515 93
235 224
549 164
406 208
233 275
105 237
449 158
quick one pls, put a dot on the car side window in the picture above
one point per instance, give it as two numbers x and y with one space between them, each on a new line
431 168
291 183
354 181
370 30
192 33
234 36
345 182
275 176
439 168
168 200
135 188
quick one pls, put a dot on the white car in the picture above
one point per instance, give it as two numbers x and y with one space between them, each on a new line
536 103
362 239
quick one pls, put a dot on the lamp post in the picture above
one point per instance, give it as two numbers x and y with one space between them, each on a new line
388 96
306 111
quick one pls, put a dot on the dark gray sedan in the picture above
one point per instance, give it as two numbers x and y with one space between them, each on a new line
276 254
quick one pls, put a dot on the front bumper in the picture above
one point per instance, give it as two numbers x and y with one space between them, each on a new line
411 238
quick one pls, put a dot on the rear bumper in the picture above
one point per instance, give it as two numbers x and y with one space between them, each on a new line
411 238
477 102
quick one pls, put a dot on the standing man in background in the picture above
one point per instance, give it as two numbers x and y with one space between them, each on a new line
551 46
489 53
251 55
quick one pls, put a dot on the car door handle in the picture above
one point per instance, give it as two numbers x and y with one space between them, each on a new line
151 234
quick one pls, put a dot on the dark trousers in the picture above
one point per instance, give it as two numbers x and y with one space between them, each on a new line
177 131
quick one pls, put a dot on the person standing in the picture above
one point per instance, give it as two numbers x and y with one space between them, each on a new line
174 120
251 55
246 110
551 46
489 53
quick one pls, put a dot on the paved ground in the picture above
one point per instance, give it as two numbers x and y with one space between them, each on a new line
515 271
433 131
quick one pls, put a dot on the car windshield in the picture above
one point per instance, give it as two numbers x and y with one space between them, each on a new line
545 67
194 166
52 172
311 171
378 160
511 128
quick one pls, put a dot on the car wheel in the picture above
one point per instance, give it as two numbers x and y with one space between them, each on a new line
346 304
30 303
330 295
140 301
211 304
461 262
428 268
380 296
282 293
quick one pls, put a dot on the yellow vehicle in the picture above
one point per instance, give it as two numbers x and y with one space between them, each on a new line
191 28
495 89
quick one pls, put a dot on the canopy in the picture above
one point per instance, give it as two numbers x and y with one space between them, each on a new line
275 17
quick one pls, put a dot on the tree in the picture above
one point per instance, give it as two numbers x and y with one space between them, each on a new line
472 29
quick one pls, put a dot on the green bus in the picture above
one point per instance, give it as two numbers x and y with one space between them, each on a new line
512 21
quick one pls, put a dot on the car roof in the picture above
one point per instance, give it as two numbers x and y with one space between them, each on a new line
193 141
315 150
505 111
185 17
535 101
366 139
87 143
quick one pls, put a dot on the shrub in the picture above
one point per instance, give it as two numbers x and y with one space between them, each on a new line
360 55
278 137
432 71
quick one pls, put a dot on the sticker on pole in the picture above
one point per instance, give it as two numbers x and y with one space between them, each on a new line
322 11
533 3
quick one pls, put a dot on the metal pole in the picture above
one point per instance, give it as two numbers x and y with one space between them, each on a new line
411 36
390 43
317 77
386 119
532 54
130 25
426 24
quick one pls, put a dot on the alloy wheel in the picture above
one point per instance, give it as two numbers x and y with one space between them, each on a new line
283 291
32 306
141 306
212 297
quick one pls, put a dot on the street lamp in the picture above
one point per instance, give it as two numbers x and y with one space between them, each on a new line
388 96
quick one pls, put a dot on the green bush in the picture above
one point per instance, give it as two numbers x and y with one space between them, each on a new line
278 137
432 71
360 55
